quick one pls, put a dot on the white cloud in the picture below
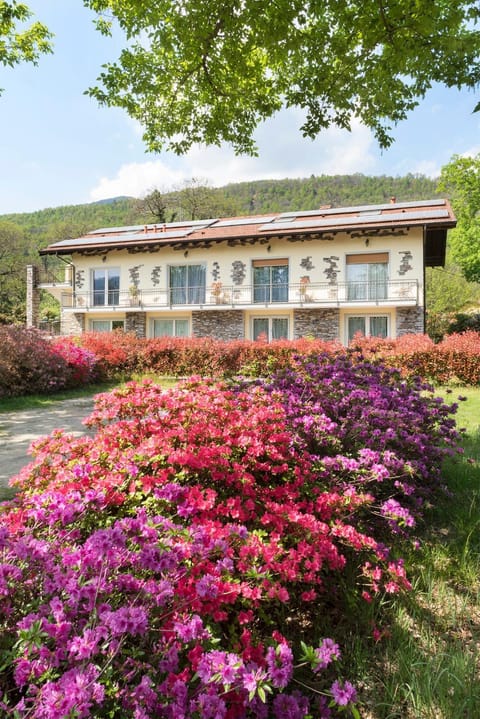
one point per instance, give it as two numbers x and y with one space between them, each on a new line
472 151
427 168
135 179
283 152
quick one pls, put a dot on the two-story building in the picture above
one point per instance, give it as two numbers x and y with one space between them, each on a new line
326 273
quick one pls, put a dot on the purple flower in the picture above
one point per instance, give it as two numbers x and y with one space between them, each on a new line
326 653
343 695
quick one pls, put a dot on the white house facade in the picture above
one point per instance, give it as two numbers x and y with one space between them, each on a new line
326 273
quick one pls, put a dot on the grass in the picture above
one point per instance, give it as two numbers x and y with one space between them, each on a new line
428 664
12 404
39 401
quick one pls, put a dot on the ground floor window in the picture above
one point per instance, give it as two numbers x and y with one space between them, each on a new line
272 328
367 325
107 325
174 327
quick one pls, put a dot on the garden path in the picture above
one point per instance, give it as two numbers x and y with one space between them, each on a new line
19 428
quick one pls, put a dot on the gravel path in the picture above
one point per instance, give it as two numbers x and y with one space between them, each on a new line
19 428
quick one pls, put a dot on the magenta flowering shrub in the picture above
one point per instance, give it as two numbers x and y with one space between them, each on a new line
371 431
190 557
81 362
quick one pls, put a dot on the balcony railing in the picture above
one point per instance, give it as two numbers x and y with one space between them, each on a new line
393 292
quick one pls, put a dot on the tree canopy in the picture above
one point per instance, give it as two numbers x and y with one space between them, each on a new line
460 179
20 42
204 71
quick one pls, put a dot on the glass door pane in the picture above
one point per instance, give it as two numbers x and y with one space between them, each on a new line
377 281
279 328
98 287
357 282
113 287
280 283
260 327
356 324
261 284
378 327
162 328
178 285
196 284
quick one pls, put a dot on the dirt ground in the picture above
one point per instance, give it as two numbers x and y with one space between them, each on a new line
19 428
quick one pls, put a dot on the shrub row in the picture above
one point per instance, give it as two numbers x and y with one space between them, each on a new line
455 359
31 363
194 555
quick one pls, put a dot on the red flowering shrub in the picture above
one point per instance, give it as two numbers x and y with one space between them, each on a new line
149 569
455 359
116 352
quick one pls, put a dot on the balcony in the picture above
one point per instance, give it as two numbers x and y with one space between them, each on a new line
314 295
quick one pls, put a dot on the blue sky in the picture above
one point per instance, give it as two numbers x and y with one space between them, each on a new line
58 147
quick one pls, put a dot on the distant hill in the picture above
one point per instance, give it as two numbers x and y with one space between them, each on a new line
262 196
111 200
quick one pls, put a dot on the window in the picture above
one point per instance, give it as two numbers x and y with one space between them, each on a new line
106 286
367 276
367 325
187 284
270 281
273 328
107 325
170 328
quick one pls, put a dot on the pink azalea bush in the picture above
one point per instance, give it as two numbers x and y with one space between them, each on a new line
190 557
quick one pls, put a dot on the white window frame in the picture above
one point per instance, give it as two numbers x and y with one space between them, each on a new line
110 323
367 317
270 319
187 288
106 291
174 321
368 290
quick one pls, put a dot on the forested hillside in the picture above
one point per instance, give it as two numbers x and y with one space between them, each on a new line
246 197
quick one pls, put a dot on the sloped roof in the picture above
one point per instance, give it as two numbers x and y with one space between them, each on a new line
323 223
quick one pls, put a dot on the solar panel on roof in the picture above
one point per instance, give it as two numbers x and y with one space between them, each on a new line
115 239
243 221
284 217
159 225
403 217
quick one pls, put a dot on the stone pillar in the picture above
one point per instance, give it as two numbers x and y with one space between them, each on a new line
72 323
136 322
410 320
223 325
33 296
322 323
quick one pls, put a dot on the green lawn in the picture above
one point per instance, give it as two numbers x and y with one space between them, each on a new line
428 665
